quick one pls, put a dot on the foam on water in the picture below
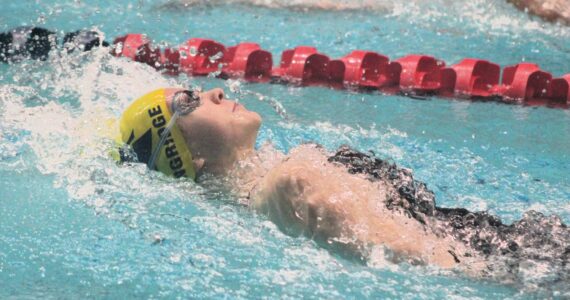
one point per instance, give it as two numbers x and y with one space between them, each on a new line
483 16
74 224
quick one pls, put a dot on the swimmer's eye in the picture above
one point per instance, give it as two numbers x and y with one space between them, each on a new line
185 102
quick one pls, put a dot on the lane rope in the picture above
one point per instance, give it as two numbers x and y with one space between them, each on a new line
415 75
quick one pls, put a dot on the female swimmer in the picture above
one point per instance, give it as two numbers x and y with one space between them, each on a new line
348 200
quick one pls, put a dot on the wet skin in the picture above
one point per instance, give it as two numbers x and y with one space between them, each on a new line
301 191
218 132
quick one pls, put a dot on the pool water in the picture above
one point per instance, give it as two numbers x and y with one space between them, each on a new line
73 224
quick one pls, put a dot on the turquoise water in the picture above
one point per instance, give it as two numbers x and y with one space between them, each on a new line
74 225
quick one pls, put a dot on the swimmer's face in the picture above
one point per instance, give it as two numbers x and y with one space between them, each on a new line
219 129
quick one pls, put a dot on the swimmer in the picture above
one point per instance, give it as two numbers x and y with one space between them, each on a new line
557 11
548 10
348 201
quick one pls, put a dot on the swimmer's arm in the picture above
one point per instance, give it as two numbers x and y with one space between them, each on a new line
286 195
302 199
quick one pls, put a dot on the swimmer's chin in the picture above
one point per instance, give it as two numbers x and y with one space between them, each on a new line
250 122
257 119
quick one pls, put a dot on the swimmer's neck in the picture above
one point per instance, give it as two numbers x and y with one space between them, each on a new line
250 167
223 165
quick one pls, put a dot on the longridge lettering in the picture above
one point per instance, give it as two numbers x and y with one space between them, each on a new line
169 148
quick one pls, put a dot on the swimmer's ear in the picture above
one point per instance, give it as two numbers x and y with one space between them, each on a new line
198 164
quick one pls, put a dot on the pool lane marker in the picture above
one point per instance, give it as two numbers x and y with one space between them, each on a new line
413 75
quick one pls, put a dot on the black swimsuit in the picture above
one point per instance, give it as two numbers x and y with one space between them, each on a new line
535 239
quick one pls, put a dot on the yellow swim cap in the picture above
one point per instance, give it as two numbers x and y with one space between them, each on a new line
142 126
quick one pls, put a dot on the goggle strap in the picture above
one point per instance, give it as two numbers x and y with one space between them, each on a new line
165 132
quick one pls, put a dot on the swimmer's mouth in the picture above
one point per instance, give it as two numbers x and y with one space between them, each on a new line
236 105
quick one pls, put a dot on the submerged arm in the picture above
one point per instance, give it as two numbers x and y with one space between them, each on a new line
307 195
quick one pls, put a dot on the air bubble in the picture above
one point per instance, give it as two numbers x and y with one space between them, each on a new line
41 19
183 54
235 86
216 57
214 74
119 48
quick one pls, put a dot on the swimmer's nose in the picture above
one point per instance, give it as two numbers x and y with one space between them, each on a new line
215 95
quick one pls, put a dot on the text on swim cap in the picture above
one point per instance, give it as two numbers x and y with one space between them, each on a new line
174 160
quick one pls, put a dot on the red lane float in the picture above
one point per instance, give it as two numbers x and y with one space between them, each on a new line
335 72
365 69
303 65
525 82
448 82
200 57
471 78
421 74
170 61
560 92
136 47
475 78
248 61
